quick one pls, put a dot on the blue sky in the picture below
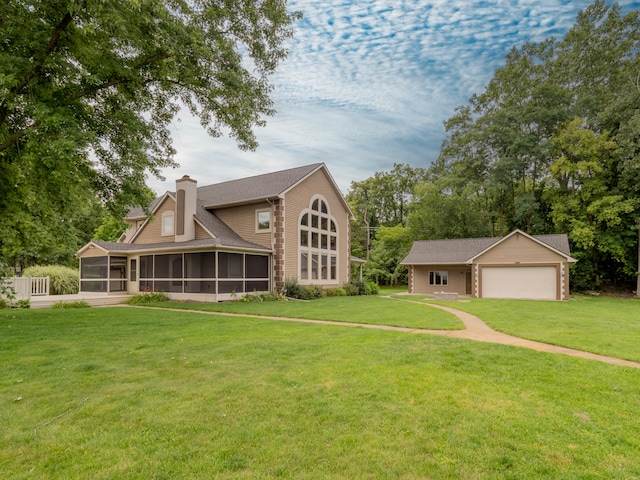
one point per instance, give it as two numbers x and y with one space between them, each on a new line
369 83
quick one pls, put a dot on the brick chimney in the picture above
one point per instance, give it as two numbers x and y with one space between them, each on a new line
186 188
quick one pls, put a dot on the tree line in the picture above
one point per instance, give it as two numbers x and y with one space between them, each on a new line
550 146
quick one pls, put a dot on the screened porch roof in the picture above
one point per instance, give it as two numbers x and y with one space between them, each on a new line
213 243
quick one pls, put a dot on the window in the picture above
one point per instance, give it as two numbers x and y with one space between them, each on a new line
304 266
230 265
263 221
256 266
167 224
133 270
318 244
195 272
438 278
103 274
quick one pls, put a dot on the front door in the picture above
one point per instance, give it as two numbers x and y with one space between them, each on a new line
468 287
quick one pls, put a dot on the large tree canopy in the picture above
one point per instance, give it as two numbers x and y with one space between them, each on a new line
88 89
550 146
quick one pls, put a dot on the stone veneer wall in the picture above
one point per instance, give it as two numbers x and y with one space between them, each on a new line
278 240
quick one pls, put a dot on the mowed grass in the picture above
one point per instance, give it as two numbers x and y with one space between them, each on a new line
366 309
122 393
608 326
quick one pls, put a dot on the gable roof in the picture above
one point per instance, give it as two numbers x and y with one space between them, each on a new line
465 250
256 188
231 193
246 190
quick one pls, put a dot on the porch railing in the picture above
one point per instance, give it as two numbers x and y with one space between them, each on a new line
27 287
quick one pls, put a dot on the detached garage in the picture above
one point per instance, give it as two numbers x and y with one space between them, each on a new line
518 266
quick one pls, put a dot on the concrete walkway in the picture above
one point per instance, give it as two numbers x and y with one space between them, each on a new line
475 329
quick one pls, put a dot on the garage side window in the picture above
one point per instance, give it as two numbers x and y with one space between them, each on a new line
438 278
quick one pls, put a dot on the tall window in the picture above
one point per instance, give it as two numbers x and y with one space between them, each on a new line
318 243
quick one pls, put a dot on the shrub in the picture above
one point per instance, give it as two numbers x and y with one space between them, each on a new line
371 288
62 280
293 289
23 304
147 297
262 297
7 294
78 304
350 289
361 286
335 292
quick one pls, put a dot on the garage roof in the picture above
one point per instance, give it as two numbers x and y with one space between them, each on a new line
464 250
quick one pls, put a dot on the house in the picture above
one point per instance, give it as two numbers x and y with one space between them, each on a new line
212 242
515 266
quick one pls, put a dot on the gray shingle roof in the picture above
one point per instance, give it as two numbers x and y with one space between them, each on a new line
258 187
138 212
211 242
462 250
243 190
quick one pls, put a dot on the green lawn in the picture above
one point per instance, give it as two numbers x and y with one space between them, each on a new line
121 393
608 326
365 309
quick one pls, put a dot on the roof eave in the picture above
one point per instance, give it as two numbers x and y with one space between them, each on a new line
243 202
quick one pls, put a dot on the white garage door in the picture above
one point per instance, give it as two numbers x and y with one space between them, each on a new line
519 282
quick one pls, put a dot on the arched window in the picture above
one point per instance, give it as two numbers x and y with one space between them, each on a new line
318 243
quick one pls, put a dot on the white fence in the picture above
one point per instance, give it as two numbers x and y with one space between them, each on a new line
27 287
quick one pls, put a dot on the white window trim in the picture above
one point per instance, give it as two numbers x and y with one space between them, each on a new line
264 230
164 231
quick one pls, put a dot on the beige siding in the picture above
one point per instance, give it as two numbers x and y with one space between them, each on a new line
151 232
201 233
242 220
93 252
521 249
457 279
297 200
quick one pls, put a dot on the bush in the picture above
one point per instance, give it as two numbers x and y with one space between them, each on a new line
335 292
262 297
23 304
293 289
371 288
62 280
78 304
361 286
7 294
147 297
351 290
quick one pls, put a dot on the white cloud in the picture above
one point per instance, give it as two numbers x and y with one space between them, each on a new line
369 84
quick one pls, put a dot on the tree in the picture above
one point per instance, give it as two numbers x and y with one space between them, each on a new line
88 90
551 146
381 200
390 247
